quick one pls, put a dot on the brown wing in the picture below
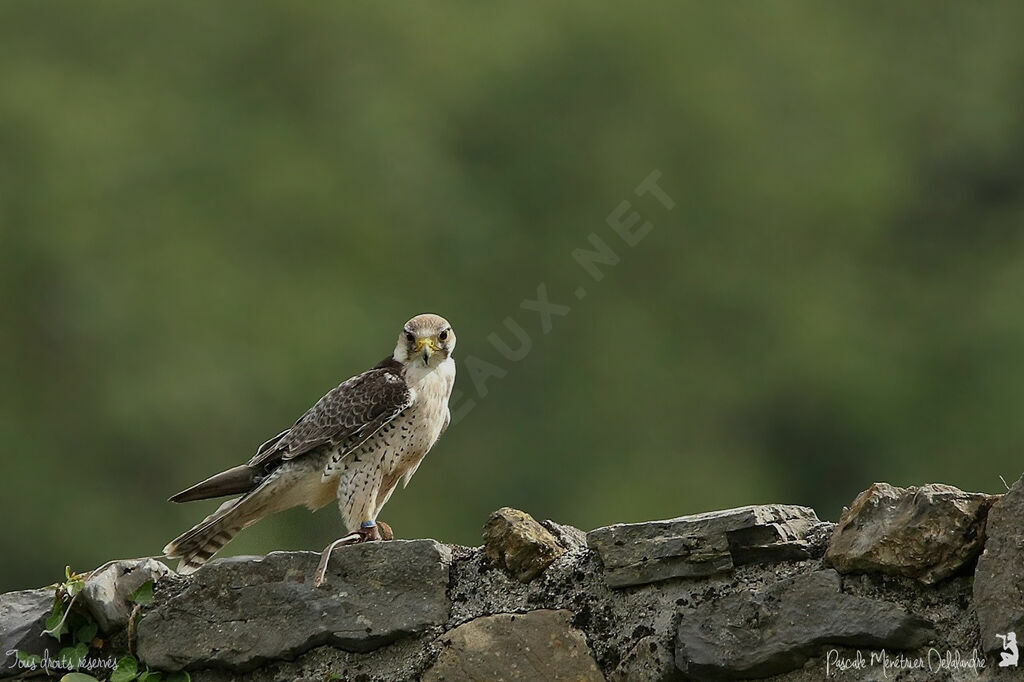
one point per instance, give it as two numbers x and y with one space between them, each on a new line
345 417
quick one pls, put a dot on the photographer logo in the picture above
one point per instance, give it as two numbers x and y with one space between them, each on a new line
1009 655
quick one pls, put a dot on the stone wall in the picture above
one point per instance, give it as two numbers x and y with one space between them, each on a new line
757 592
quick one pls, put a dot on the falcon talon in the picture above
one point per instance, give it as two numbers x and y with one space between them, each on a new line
325 556
356 444
369 533
365 533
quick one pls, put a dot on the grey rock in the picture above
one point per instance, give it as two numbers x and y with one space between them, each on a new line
702 544
569 537
818 537
256 620
107 593
539 645
927 533
22 621
239 613
999 576
777 629
651 659
515 541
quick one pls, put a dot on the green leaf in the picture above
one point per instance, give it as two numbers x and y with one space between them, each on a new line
86 633
76 620
78 677
143 595
179 677
126 670
56 619
150 676
74 586
29 660
74 655
81 653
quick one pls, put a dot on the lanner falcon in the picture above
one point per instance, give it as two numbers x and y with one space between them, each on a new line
355 445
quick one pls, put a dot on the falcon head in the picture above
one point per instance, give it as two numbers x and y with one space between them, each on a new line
428 339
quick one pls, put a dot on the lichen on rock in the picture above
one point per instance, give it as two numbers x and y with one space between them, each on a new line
516 542
999 577
927 533
537 645
735 594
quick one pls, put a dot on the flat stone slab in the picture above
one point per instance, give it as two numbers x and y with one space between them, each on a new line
238 613
702 544
928 533
539 645
753 635
999 576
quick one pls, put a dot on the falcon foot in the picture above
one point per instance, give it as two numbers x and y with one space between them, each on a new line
378 531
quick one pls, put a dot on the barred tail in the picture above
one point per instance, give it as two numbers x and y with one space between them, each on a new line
198 545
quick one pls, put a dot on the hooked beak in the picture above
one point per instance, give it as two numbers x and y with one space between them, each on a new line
428 347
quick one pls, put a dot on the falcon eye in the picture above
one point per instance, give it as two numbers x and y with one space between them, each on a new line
409 337
443 336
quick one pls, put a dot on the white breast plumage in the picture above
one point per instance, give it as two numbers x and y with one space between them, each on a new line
400 445
356 443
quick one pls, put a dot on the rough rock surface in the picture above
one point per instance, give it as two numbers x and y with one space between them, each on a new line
928 533
750 635
515 541
239 613
702 544
567 536
649 659
259 619
22 616
999 577
539 645
107 594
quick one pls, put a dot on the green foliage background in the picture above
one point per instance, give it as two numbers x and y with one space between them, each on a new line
210 215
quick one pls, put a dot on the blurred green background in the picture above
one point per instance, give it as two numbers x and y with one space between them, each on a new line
212 215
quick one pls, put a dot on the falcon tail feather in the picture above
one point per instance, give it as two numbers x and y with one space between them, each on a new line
240 479
197 545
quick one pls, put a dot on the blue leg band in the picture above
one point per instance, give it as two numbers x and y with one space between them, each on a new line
368 524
